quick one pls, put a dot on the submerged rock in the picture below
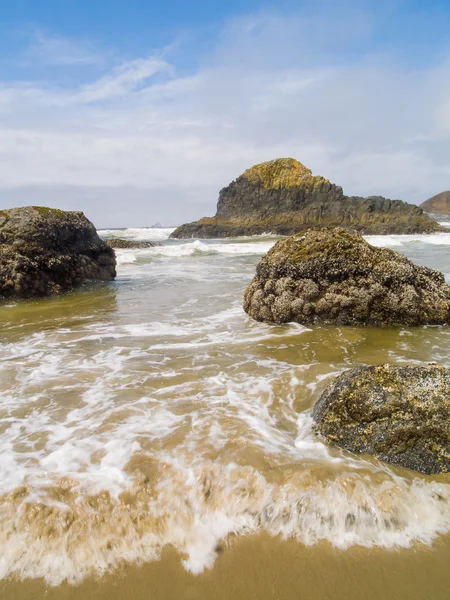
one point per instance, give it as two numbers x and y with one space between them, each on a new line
399 414
331 276
45 251
122 243
282 196
438 205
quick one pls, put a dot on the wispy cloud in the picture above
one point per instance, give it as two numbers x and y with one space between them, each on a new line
58 51
123 79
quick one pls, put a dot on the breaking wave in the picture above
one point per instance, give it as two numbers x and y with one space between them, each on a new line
153 412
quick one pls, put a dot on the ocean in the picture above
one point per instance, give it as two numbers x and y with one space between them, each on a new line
155 441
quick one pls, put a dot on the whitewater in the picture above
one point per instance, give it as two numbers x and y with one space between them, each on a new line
153 412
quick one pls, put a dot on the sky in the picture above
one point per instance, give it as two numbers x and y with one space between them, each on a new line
139 112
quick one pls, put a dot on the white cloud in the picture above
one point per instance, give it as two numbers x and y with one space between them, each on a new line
52 50
269 89
121 80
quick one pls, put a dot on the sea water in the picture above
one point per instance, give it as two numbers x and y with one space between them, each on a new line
152 412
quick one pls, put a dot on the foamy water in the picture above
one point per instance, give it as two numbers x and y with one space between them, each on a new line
152 411
138 233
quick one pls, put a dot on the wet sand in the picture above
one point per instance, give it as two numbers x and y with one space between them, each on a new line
262 568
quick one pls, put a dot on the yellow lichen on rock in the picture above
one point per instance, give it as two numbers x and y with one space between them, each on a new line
283 197
281 173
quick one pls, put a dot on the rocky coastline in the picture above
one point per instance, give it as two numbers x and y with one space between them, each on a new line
283 197
319 276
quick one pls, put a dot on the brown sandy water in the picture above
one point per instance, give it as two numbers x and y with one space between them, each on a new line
156 442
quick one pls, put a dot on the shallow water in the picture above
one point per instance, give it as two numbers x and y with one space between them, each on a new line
151 417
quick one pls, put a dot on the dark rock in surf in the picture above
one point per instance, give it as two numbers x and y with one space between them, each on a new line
121 243
331 276
282 197
45 251
399 414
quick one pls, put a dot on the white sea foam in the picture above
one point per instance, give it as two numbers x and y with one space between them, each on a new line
196 248
193 508
163 415
437 239
125 256
138 233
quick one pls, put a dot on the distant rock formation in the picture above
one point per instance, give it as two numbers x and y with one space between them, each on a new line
121 243
438 205
399 414
283 197
45 251
330 276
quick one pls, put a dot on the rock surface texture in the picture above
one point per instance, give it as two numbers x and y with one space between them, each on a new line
331 276
121 243
283 197
399 414
45 251
438 205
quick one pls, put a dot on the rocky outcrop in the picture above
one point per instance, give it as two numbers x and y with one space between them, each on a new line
121 243
399 414
438 205
331 276
283 197
45 251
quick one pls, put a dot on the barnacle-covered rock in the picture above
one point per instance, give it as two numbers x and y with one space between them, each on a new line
45 251
399 414
332 276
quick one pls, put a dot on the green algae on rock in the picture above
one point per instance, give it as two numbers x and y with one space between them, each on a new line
282 196
45 251
332 276
399 414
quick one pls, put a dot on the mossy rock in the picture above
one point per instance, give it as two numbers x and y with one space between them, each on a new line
46 251
399 414
283 197
332 276
281 173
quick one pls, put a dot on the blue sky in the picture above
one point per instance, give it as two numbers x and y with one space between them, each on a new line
141 111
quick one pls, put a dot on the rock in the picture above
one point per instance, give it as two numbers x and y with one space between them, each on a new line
45 251
122 243
283 197
399 414
438 205
331 276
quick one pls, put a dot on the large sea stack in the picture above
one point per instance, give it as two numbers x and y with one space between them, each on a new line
331 276
45 251
283 197
399 414
438 205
